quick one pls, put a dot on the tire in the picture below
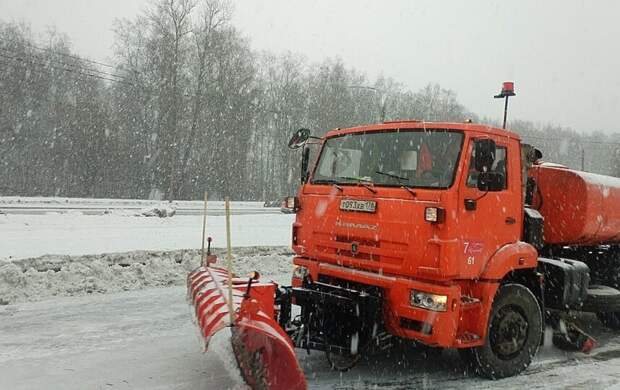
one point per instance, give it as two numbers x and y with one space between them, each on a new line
610 320
602 299
515 311
342 362
605 302
607 271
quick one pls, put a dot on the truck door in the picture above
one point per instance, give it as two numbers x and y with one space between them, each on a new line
488 220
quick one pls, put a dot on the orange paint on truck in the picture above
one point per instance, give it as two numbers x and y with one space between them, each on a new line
399 251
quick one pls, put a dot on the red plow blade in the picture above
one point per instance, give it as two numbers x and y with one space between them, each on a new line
264 352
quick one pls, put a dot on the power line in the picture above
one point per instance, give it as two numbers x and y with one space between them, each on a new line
577 140
59 68
78 67
63 54
62 63
83 73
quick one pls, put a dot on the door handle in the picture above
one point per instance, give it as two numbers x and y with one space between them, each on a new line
510 220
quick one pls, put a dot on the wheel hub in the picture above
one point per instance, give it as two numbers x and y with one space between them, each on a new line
508 333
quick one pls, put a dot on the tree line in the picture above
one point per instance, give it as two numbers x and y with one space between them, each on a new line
189 106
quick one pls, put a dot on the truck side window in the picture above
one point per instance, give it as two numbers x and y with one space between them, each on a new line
499 165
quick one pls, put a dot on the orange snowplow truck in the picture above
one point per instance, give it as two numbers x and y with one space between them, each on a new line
454 235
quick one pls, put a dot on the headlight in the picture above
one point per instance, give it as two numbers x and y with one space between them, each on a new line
428 301
300 272
434 214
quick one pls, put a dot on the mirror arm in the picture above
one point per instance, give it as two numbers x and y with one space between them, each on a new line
482 196
305 159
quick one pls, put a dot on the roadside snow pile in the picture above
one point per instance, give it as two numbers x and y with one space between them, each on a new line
162 210
43 277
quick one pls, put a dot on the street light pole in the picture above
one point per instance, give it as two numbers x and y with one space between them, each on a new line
383 96
583 158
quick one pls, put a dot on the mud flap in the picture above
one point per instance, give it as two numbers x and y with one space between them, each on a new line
264 352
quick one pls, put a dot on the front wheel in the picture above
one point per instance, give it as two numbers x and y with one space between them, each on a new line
342 361
513 335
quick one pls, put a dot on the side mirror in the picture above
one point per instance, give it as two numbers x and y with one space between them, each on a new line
485 154
491 181
299 138
305 158
537 154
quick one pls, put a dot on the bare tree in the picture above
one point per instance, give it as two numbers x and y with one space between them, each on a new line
215 15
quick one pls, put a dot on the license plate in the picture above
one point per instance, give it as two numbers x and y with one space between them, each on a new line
367 206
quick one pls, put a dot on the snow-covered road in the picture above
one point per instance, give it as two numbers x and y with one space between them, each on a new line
132 340
41 205
146 340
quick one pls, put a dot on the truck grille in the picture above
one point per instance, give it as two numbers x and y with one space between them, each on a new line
361 241
350 285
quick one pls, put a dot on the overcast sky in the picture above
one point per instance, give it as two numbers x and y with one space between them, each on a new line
563 55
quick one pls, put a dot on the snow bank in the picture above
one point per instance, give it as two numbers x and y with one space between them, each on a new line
44 277
161 210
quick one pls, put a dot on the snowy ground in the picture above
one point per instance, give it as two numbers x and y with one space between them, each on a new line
76 234
99 322
121 321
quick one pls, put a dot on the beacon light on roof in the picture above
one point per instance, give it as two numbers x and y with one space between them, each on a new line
508 89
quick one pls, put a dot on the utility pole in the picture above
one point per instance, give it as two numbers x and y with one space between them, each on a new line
508 89
383 96
583 158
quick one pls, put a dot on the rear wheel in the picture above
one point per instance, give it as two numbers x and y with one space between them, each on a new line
606 270
610 320
513 335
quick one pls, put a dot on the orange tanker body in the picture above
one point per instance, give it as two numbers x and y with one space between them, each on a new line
579 208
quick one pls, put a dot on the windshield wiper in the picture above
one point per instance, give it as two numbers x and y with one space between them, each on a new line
328 181
399 178
361 181
400 181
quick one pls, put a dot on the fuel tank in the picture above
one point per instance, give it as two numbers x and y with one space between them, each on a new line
579 208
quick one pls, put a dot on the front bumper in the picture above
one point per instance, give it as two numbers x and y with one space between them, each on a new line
400 318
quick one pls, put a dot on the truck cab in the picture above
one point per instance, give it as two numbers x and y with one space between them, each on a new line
410 228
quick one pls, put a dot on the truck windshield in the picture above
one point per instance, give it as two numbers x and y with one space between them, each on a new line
412 158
